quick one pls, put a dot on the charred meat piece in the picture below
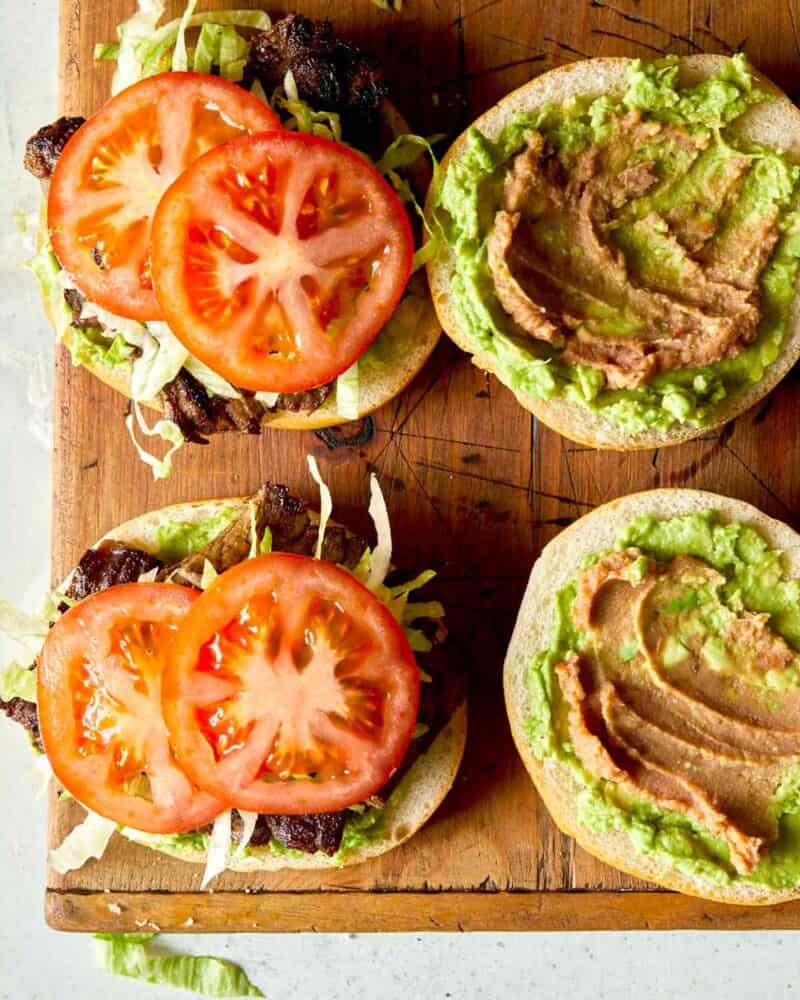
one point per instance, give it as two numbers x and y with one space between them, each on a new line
75 301
230 547
310 400
109 564
187 402
294 531
24 713
291 528
310 833
331 75
43 148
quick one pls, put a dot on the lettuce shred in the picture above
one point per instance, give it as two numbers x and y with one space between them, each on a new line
132 955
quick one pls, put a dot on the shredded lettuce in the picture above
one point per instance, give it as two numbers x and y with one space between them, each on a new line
253 530
382 553
232 54
180 59
248 826
210 380
301 117
46 269
347 393
325 503
131 955
390 6
265 545
403 152
28 630
162 357
145 48
167 430
17 681
209 575
206 53
87 840
219 845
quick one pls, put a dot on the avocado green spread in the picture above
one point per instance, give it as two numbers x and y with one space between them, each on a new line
658 321
671 690
178 539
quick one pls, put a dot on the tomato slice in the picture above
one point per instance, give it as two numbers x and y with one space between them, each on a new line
291 689
114 169
99 694
277 258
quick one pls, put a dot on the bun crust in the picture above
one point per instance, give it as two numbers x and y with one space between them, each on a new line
555 782
774 123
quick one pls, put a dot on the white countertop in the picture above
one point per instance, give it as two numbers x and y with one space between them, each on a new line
39 964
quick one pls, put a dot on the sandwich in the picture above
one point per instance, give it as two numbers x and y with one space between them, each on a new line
242 683
276 284
653 688
620 246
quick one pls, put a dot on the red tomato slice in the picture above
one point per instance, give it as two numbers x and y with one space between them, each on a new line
277 258
291 689
99 694
115 168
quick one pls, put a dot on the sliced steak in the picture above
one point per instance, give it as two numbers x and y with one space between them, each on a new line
291 527
107 565
43 148
24 713
331 75
310 400
311 833
198 414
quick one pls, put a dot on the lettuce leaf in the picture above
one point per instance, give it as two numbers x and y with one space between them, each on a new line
28 630
131 955
325 503
167 430
382 553
17 681
219 845
146 48
347 393
87 840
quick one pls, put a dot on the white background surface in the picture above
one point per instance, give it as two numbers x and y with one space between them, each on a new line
39 964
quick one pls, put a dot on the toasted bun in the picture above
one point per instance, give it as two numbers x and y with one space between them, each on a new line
414 800
773 123
557 565
377 384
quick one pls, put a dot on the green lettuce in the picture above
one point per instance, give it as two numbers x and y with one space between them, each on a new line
17 681
132 955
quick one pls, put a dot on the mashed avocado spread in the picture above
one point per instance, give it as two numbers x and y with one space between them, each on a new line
637 212
671 690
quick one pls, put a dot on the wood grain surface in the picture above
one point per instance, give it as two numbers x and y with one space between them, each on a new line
474 485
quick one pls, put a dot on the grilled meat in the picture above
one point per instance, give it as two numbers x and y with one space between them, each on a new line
107 565
331 75
43 148
24 713
309 833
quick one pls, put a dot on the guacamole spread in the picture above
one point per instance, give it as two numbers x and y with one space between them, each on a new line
671 689
632 253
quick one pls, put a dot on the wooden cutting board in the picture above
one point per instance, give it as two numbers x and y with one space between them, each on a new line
475 488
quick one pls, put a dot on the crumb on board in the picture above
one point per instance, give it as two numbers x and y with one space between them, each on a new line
115 908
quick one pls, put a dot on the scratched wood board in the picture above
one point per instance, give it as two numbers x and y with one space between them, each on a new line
475 487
